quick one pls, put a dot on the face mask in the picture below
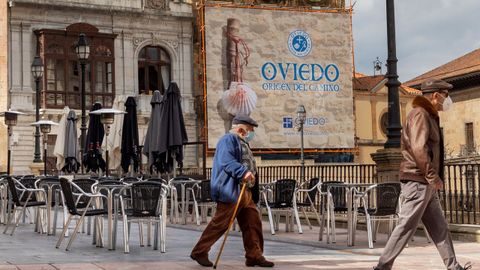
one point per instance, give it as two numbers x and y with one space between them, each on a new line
250 135
447 104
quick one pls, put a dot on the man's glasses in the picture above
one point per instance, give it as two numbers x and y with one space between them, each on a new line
444 92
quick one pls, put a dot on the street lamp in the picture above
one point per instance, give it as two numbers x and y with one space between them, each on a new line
10 122
301 116
394 127
45 128
83 51
107 116
37 73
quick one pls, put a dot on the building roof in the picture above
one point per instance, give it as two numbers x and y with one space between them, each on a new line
359 75
366 83
411 90
369 83
464 65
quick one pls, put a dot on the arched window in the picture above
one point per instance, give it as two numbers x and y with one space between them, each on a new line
154 69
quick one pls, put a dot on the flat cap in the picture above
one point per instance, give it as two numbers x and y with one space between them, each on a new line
433 85
244 119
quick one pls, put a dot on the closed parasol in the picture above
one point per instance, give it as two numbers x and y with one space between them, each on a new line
173 134
70 152
129 148
152 140
92 157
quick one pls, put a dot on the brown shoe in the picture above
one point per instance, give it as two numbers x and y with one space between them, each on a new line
261 263
202 260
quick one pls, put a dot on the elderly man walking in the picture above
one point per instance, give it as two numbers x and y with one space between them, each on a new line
421 176
233 164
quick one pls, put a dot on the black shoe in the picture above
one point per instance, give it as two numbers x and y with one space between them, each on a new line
467 266
261 263
202 260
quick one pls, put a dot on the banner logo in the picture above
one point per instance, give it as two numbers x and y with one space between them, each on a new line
299 43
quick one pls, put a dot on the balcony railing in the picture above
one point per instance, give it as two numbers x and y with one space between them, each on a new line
460 197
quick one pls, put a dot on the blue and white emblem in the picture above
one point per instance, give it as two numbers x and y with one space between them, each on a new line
299 43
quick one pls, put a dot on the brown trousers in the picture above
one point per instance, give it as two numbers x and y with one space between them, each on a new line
248 220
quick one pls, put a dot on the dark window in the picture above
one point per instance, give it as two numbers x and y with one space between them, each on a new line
469 141
384 123
154 69
62 78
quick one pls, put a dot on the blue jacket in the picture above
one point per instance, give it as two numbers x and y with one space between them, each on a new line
227 169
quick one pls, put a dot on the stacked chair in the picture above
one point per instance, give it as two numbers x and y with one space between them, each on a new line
280 198
23 198
377 203
148 205
80 203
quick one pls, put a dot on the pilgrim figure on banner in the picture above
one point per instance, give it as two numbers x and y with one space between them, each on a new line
237 51
239 98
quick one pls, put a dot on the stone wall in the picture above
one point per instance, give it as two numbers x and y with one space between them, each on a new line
136 26
465 109
3 81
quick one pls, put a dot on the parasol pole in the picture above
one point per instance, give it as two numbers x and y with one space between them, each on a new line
174 166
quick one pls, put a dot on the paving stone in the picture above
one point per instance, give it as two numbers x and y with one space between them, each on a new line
290 251
36 267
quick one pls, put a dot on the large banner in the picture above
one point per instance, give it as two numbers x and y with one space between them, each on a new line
267 62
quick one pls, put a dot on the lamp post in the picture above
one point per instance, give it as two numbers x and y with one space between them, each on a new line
45 128
107 116
37 73
10 122
301 116
394 127
83 51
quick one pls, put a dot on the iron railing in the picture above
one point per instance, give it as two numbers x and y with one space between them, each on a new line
460 197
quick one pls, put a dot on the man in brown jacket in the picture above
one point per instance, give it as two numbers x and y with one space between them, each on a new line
421 176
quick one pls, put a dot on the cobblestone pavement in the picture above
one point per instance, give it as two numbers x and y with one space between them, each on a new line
29 250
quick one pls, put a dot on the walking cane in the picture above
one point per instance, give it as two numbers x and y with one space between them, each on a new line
229 226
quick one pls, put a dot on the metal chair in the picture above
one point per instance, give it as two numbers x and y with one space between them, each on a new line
378 202
158 180
130 179
283 201
51 185
23 198
335 197
204 200
5 204
90 208
309 196
149 204
86 185
180 187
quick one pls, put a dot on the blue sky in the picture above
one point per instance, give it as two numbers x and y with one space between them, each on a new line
429 33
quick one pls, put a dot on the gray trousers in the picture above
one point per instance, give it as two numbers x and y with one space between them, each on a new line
421 203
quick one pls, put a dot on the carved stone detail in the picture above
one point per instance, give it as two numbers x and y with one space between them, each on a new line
157 4
157 40
137 41
173 43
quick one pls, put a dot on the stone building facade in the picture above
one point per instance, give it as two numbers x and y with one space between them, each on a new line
461 124
3 81
371 108
136 47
